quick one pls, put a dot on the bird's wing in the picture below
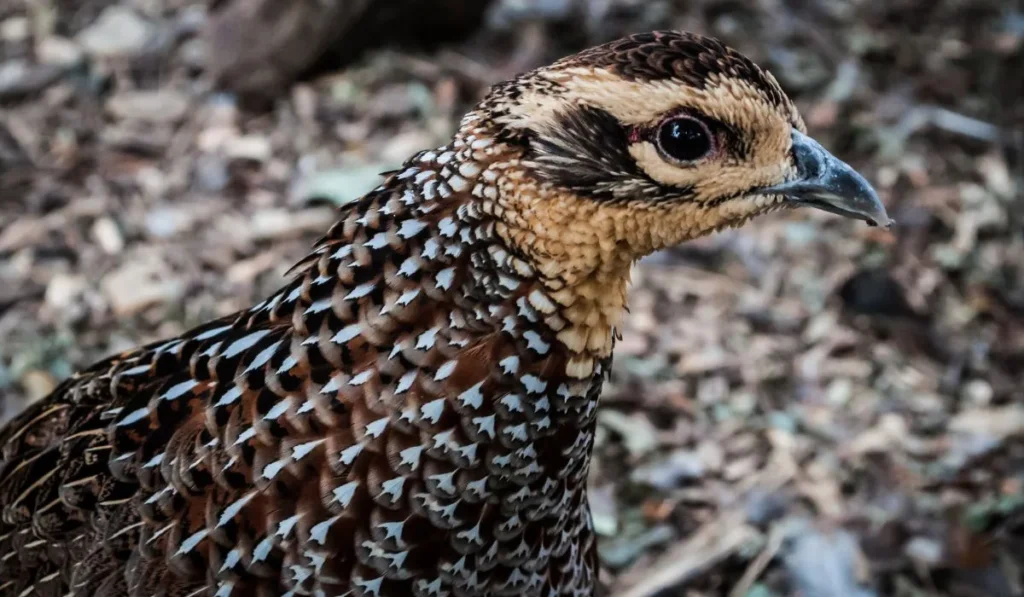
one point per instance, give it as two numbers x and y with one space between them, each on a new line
212 451
68 510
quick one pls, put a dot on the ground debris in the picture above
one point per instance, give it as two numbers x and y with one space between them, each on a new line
866 384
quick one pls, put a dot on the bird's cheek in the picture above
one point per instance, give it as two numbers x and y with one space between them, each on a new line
710 178
653 165
666 225
736 212
688 220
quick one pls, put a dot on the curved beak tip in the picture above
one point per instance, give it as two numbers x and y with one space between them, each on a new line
825 182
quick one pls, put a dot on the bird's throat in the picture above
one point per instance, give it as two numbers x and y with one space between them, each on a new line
582 262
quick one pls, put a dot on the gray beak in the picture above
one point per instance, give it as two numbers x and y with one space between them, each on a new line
825 182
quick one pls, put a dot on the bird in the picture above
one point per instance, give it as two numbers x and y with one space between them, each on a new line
413 412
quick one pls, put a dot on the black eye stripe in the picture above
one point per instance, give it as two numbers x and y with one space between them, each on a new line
587 151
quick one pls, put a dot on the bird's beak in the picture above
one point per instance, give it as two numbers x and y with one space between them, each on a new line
825 182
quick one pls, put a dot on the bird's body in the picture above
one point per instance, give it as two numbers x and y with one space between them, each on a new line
413 413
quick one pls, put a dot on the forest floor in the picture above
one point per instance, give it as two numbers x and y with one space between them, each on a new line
806 406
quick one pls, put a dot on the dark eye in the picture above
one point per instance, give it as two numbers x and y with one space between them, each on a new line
684 139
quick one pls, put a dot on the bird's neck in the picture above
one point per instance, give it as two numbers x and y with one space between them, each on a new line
581 267
573 251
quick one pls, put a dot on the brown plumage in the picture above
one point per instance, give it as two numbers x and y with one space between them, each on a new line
413 413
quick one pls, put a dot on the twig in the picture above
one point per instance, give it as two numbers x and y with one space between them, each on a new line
759 564
713 543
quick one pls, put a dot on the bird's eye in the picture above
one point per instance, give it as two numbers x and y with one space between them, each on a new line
684 139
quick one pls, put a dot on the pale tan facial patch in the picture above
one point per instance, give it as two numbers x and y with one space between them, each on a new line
733 101
638 102
764 127
713 179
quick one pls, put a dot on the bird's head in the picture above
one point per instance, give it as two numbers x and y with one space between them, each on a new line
631 147
662 137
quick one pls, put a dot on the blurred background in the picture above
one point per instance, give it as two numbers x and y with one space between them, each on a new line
807 406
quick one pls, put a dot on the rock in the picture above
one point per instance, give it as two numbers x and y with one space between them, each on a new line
885 436
800 234
152 106
108 236
190 20
19 78
193 53
713 390
996 173
63 290
398 100
507 15
214 139
760 590
977 392
259 47
15 29
632 343
712 456
764 507
826 564
994 424
59 51
403 145
118 32
282 223
740 468
636 431
924 551
604 510
671 472
136 286
711 359
255 148
839 392
165 222
341 186
623 550
152 180
211 173
11 74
